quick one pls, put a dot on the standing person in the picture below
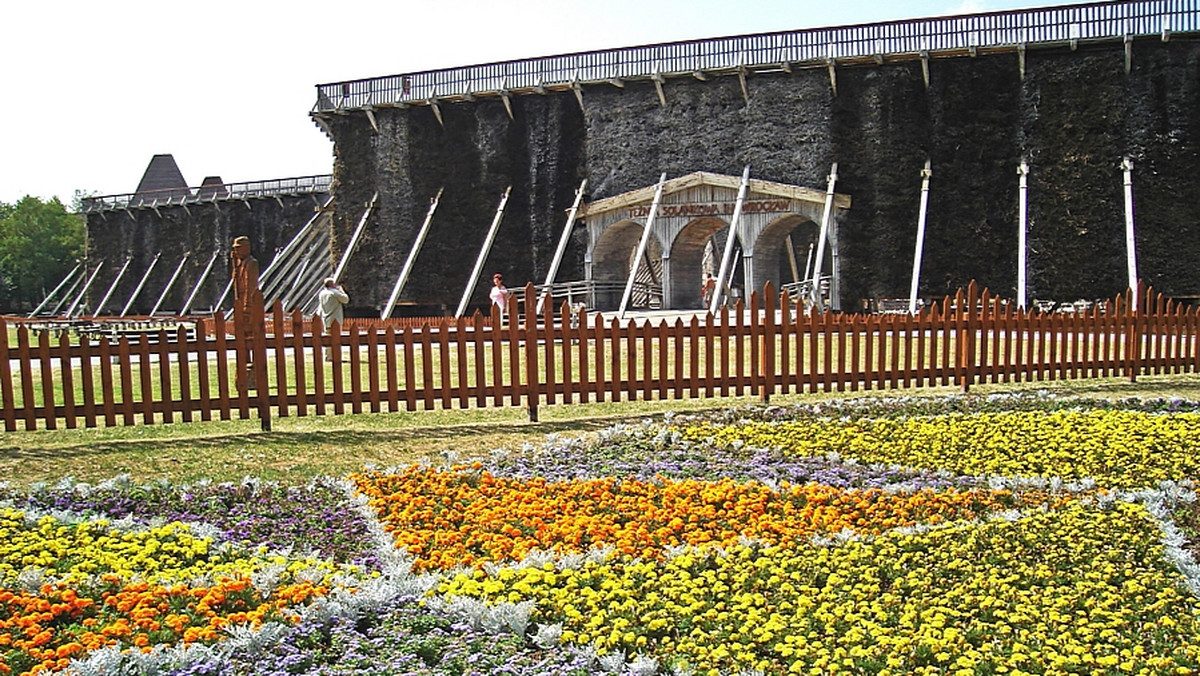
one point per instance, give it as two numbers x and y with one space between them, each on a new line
707 289
499 293
331 303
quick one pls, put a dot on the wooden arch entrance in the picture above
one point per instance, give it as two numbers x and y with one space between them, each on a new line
778 224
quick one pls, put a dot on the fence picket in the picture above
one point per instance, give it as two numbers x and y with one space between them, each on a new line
460 343
46 371
145 381
183 356
480 360
410 370
356 399
443 351
68 380
569 335
87 382
164 378
425 343
7 395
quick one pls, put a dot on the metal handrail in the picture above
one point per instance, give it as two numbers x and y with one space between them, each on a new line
964 34
300 185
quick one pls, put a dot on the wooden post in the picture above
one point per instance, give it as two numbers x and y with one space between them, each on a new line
767 352
641 250
532 393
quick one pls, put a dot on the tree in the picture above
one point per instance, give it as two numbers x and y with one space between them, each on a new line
39 244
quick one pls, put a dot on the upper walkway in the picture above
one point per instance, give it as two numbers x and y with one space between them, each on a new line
278 187
967 34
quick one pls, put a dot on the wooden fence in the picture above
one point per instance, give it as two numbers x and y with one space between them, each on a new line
769 346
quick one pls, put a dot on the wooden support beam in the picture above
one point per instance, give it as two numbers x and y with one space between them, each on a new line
483 253
925 66
562 245
1021 60
822 238
341 267
700 75
658 82
58 288
371 118
87 285
786 66
742 81
577 88
641 250
412 257
926 173
1129 67
138 289
726 268
505 95
832 75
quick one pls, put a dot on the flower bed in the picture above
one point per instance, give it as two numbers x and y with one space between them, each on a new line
954 535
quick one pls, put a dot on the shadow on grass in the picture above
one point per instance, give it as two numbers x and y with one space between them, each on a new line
477 435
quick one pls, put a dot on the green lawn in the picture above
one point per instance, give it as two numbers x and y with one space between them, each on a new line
299 448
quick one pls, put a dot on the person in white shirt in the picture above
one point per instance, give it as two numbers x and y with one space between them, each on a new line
331 302
499 293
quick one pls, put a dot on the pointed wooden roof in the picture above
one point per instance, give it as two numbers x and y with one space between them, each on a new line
162 174
704 178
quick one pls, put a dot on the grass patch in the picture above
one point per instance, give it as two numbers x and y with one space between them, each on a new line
300 448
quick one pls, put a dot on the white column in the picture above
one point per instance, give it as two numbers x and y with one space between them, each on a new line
825 216
727 255
926 173
1130 240
641 250
1022 229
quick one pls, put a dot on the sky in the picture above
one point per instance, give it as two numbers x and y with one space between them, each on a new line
90 91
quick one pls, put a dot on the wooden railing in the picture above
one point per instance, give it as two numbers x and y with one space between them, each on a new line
765 348
950 35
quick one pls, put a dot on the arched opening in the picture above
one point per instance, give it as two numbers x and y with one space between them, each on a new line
612 258
785 252
735 277
694 252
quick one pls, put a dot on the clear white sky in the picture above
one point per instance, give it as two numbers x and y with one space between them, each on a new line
89 91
